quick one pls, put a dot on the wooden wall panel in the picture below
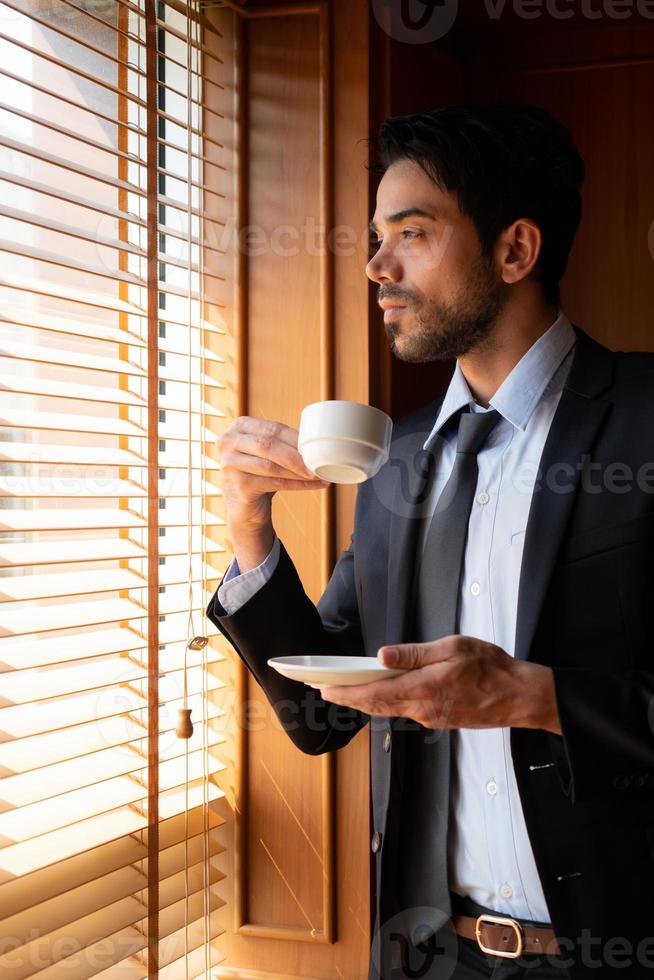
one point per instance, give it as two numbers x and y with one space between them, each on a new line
601 89
297 864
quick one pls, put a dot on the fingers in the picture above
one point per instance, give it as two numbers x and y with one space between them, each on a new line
264 448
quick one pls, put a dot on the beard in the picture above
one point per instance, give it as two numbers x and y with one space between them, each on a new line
445 331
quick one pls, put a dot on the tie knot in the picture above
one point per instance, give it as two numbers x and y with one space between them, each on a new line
474 428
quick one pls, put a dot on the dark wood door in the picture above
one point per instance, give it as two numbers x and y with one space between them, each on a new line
596 74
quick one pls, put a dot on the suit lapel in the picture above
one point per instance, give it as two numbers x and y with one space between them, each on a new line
571 436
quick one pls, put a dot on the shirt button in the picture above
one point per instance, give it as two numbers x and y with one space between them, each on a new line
491 787
475 588
376 841
482 498
387 742
506 891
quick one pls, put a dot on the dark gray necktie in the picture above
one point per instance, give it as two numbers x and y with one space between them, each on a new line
439 569
422 877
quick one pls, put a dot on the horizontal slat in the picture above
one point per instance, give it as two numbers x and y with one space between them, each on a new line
49 224
79 835
72 676
37 52
73 550
22 654
175 570
60 291
47 618
24 385
32 753
54 913
61 680
94 768
173 487
71 358
121 918
79 488
34 452
173 544
28 587
38 819
21 316
65 163
127 946
16 418
66 261
102 549
175 626
51 24
49 190
172 456
172 939
195 962
69 518
106 676
175 599
89 910
181 7
78 137
170 404
167 373
181 361
115 28
23 858
170 232
62 714
165 347
99 863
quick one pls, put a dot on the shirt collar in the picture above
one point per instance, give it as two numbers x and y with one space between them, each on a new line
523 387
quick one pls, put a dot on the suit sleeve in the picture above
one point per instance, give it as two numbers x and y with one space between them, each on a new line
280 620
606 746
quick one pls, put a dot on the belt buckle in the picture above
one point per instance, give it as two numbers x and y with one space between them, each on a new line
500 921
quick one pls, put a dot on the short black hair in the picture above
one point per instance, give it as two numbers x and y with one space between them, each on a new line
502 162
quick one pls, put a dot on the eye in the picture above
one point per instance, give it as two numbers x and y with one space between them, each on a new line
406 233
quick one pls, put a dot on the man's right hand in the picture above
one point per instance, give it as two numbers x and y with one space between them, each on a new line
258 457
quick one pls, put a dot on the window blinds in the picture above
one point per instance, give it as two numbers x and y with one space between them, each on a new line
113 384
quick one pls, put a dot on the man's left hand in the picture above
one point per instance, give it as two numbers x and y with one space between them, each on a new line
457 682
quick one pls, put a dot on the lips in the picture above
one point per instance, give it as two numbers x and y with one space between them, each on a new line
390 312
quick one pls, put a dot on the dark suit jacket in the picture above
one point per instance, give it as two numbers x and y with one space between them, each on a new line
587 582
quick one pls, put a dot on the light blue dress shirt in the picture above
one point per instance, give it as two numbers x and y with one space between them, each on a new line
490 857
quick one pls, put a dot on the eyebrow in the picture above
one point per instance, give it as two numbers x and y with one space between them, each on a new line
394 219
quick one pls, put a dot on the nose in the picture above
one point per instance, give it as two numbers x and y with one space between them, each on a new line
383 267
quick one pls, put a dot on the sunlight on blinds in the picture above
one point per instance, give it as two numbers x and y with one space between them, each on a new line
114 381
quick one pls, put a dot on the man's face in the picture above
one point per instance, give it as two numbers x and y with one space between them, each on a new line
431 266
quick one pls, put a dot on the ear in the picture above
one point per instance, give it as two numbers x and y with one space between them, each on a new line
518 250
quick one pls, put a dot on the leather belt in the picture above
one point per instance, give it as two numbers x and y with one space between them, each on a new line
503 936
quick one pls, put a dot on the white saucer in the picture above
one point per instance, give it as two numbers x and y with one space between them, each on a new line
319 671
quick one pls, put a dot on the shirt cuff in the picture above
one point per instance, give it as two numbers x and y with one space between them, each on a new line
237 587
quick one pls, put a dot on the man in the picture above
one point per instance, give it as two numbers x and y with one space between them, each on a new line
512 761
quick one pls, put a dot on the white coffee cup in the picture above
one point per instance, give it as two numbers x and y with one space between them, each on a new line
344 442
